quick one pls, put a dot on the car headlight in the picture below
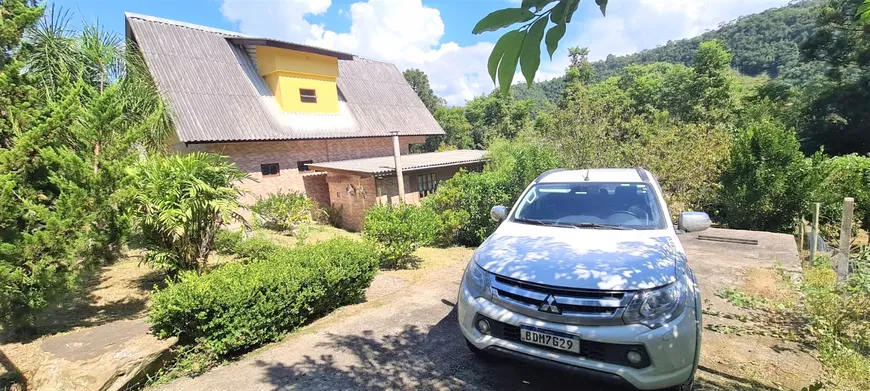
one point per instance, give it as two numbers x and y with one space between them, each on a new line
477 281
655 307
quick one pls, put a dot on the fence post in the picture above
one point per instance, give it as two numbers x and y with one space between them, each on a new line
845 240
815 232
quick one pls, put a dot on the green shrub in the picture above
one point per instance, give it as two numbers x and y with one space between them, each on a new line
284 211
843 176
399 230
227 242
333 216
179 203
238 306
466 199
256 249
838 315
767 181
451 222
475 194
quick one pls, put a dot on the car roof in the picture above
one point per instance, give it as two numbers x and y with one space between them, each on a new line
595 175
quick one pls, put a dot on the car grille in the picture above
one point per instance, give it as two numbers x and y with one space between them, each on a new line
590 350
577 306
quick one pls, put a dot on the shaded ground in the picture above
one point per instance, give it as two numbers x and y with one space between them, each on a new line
405 337
112 293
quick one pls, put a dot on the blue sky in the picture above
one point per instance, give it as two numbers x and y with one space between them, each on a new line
434 36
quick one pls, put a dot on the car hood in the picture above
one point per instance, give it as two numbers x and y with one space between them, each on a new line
580 258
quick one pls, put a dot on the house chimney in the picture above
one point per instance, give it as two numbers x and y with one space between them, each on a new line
397 152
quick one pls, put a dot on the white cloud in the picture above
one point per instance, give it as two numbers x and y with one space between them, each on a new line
274 18
409 34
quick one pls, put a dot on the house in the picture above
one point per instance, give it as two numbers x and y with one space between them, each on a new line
295 117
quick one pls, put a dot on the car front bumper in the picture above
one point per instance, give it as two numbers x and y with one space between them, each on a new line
671 348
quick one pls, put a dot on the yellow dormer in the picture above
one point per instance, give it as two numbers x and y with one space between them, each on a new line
302 82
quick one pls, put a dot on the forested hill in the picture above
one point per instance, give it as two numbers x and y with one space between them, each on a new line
766 42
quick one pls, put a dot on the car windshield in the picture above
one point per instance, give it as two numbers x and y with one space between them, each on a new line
591 205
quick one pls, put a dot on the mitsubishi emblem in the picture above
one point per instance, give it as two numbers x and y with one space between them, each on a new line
549 305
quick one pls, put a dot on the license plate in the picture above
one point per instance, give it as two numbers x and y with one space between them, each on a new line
549 338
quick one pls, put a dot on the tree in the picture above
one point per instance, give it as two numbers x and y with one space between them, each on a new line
837 116
457 129
713 87
578 74
523 45
765 185
69 126
17 109
419 82
179 203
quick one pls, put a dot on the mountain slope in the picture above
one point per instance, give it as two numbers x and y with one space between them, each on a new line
762 43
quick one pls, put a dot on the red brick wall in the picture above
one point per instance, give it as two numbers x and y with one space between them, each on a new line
352 206
250 155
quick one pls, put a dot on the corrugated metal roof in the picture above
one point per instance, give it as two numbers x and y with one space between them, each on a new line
414 162
216 94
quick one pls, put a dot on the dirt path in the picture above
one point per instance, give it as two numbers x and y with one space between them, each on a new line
407 338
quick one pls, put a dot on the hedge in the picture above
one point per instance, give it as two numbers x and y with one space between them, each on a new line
238 306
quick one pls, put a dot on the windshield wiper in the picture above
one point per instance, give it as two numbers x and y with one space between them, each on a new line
601 226
541 222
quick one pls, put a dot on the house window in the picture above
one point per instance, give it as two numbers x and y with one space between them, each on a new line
303 165
270 169
307 96
426 184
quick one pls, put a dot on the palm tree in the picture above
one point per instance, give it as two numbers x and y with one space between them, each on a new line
121 108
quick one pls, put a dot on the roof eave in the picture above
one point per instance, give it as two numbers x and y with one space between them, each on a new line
392 172
289 45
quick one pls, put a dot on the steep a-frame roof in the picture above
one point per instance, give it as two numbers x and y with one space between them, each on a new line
209 78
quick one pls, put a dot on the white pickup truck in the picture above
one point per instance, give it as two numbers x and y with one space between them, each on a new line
587 273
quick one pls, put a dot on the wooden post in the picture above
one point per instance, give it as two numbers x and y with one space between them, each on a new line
815 232
845 240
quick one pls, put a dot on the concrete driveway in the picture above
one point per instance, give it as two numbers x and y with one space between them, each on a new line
409 340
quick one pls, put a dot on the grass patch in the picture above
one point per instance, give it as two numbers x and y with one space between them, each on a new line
189 360
742 300
838 315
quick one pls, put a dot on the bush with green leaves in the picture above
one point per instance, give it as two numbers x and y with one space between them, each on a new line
256 249
767 181
398 230
180 202
239 306
226 241
838 314
284 211
843 176
470 196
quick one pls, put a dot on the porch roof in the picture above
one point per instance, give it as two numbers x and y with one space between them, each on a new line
385 165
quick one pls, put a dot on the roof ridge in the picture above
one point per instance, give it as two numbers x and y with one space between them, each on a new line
150 18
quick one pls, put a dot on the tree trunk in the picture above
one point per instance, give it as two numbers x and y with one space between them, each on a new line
96 157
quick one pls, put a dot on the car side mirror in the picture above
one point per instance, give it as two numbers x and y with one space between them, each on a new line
498 213
693 221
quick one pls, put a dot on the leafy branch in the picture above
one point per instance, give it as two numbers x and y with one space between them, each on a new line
863 13
523 45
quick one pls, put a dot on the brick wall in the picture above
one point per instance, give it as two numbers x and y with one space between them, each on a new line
352 195
250 155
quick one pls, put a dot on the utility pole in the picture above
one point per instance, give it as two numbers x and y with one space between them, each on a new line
397 153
